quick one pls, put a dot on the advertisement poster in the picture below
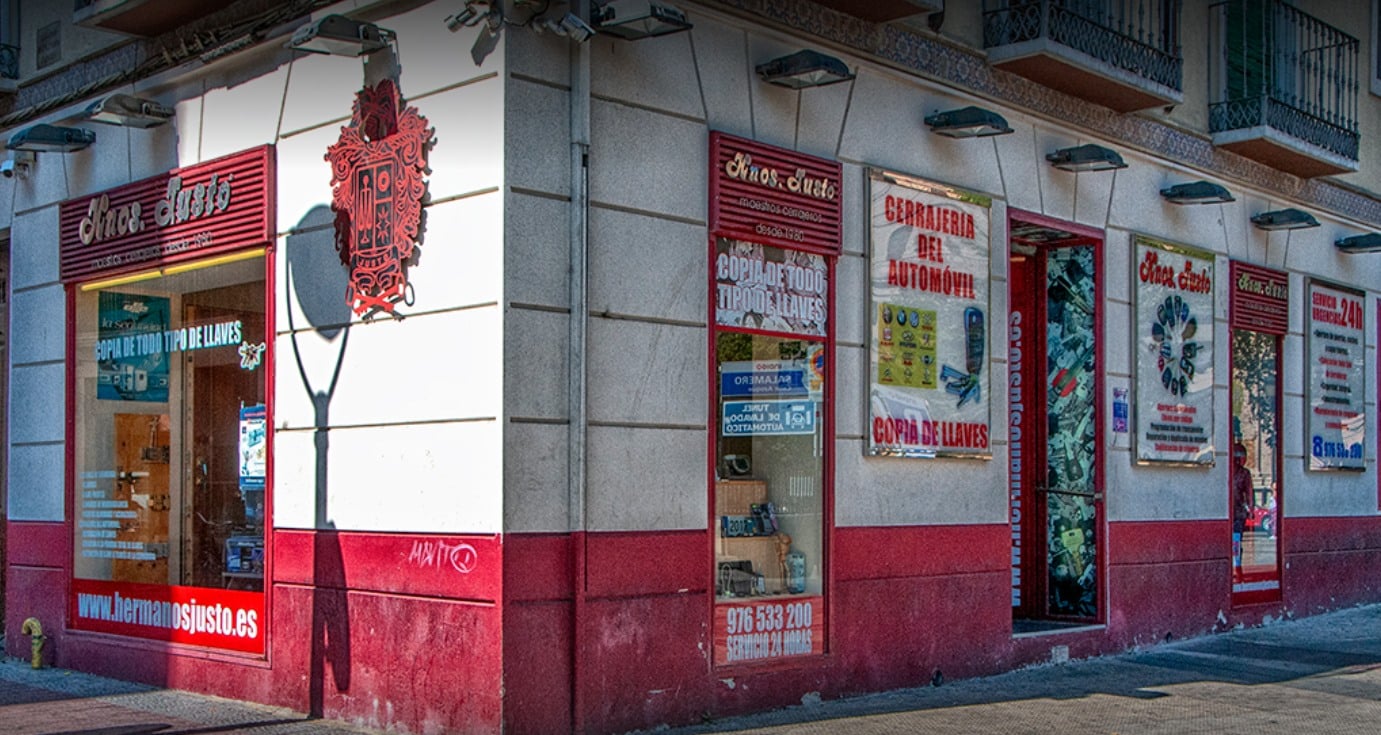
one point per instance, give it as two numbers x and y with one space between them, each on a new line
1336 338
765 630
253 447
1174 353
929 321
228 619
772 289
131 358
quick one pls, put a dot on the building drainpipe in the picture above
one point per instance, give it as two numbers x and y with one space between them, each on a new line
575 363
34 630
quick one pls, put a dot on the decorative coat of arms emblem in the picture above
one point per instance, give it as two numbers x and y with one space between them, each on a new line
377 189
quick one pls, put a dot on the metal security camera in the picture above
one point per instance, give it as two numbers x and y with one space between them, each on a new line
19 163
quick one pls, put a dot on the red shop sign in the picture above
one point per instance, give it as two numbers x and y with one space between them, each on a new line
1260 299
773 195
187 213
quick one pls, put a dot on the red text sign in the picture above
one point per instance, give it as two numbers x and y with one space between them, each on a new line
187 213
228 619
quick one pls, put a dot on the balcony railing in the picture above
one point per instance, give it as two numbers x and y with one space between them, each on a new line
1140 37
9 61
1278 68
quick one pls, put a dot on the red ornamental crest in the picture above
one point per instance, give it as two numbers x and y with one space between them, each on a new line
376 193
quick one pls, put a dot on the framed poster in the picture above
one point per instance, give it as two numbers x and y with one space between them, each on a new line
929 319
1174 353
1335 347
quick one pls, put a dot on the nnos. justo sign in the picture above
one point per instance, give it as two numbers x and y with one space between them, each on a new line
191 212
762 193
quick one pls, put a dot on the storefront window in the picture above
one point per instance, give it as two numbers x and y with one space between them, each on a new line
770 369
171 453
1259 317
1253 473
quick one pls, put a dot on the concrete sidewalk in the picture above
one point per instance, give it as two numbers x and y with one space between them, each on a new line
1317 675
1320 674
61 702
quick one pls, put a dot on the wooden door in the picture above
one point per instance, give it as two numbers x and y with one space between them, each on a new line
142 446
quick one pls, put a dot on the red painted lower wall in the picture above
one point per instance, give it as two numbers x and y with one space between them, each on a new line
904 603
396 631
606 632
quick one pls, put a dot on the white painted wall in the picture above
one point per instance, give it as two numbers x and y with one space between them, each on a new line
655 102
409 410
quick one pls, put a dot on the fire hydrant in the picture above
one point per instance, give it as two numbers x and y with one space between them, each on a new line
34 630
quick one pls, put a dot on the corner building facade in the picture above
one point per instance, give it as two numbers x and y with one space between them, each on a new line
600 385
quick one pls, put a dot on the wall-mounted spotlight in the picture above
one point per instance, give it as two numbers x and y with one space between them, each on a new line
129 111
44 138
803 69
1284 219
18 164
635 19
570 26
1088 157
340 36
1197 192
1366 243
968 122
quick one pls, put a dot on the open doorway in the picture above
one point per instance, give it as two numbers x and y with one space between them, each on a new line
1056 469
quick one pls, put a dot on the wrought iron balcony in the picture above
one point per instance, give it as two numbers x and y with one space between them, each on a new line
1123 54
9 68
9 61
1284 87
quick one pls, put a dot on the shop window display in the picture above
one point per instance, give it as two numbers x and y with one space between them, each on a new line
1071 511
171 434
770 449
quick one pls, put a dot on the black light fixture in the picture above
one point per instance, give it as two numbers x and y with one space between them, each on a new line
340 36
128 111
1197 192
1087 157
803 69
1284 219
636 19
1366 243
45 138
968 122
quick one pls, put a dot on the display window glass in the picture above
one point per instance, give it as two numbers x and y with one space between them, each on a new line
770 452
171 448
1253 477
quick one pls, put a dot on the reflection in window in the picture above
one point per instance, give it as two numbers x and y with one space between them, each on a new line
171 440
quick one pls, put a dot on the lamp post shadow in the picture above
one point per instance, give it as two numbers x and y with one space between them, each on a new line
318 283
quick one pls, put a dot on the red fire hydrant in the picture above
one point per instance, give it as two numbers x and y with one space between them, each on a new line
34 630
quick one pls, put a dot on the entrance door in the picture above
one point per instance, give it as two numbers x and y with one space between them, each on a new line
1056 460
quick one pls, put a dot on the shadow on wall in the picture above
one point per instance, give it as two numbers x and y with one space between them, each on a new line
318 285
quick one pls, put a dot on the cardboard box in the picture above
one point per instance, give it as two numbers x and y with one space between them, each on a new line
737 497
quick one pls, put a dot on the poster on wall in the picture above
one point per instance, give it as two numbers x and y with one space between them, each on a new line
1336 338
131 359
929 319
1174 353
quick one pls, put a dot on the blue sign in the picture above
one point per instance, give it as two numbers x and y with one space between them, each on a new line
790 381
768 418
